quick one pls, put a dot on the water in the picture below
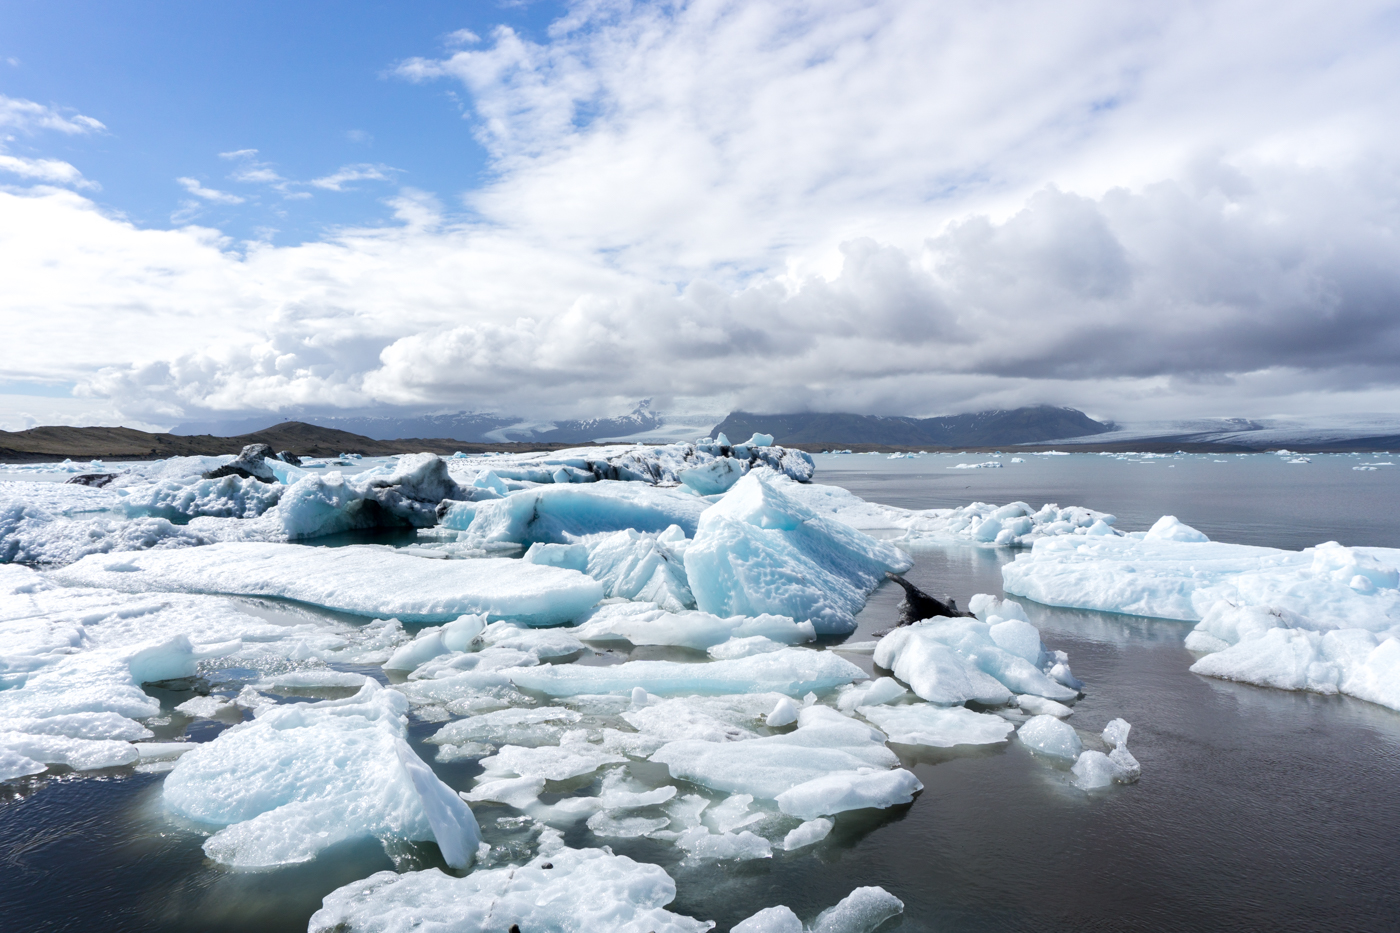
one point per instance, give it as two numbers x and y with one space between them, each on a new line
1257 809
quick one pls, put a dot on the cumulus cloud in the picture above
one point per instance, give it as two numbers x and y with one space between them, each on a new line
884 206
28 116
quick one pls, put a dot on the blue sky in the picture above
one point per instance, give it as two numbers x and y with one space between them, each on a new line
309 85
1146 211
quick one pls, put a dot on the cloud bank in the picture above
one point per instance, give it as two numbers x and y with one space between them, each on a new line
880 206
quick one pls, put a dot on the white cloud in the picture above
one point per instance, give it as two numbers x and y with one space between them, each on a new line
194 187
337 181
28 116
884 205
53 171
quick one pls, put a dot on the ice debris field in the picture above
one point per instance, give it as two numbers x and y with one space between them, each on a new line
744 735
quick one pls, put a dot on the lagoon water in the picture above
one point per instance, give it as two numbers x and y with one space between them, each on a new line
1258 809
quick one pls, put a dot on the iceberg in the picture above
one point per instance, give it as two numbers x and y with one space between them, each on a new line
557 514
637 566
362 580
560 891
840 791
950 662
304 776
861 911
1051 737
1325 619
759 551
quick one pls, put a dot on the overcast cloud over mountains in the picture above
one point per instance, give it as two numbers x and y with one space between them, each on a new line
1141 211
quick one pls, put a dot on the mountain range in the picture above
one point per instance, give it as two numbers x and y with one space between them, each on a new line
1029 425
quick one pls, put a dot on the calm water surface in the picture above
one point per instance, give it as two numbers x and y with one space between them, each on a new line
1257 810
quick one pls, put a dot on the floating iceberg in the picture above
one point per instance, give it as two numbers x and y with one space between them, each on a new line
759 551
305 776
559 513
861 911
365 581
1325 619
949 662
582 890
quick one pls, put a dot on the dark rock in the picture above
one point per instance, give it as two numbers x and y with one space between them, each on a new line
97 480
286 456
250 464
918 605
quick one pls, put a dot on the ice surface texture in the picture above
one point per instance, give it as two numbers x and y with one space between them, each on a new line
793 671
1325 619
365 581
305 776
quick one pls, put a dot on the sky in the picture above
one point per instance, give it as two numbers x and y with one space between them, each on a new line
1145 211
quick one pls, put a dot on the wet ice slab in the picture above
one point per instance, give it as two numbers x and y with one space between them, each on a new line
365 581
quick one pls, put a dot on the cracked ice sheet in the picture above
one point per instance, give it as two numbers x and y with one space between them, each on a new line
792 671
1325 619
582 891
360 580
72 660
305 776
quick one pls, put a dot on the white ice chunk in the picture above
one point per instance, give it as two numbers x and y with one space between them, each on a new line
715 477
1039 706
551 762
648 624
713 719
861 911
778 919
849 790
543 725
568 556
567 889
305 776
14 765
784 714
793 671
78 754
1050 737
1171 528
518 792
872 693
361 580
743 647
700 843
810 832
825 741
922 724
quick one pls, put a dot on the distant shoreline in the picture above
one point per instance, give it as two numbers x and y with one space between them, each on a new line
57 443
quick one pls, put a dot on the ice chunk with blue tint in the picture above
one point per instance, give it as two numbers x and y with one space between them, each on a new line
361 580
555 514
14 765
952 661
793 671
714 719
648 624
923 724
875 692
551 762
760 551
544 725
584 890
809 833
715 477
302 777
646 567
1050 737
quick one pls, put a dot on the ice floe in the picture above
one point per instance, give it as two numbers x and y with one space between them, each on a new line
366 581
583 890
302 777
1325 619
